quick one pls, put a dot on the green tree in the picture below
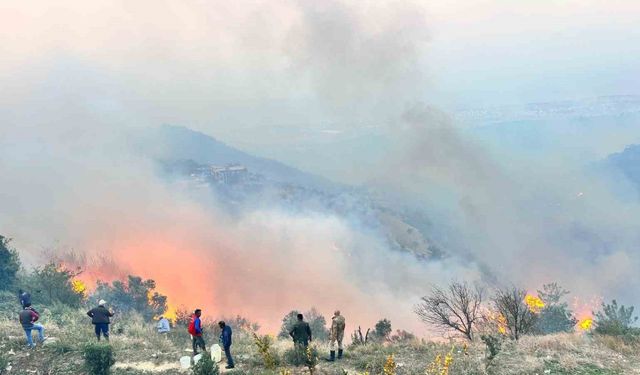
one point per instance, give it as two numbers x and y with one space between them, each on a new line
317 323
135 294
54 284
614 320
9 264
555 316
383 329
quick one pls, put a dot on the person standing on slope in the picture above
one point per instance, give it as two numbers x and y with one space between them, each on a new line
225 339
301 332
195 330
100 318
337 334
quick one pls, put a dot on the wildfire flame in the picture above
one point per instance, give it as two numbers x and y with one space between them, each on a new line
584 311
498 321
79 286
585 324
534 303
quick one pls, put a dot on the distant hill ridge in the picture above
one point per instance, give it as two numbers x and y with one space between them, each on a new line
170 142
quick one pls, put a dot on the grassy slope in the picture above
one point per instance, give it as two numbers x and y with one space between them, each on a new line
140 351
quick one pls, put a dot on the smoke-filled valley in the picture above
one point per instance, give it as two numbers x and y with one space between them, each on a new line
259 159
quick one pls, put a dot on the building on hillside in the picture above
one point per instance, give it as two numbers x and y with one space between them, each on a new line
230 174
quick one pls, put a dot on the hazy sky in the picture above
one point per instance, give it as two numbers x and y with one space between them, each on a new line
236 69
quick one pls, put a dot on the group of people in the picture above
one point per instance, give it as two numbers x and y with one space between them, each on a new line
302 335
101 318
28 316
197 340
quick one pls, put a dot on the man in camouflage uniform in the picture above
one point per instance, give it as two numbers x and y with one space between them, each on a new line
337 334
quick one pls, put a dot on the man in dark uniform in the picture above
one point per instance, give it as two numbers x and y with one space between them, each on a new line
100 318
301 332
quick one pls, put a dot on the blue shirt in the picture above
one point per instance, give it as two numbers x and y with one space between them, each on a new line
163 325
225 336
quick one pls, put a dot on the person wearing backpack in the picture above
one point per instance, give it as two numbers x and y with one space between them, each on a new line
195 330
28 318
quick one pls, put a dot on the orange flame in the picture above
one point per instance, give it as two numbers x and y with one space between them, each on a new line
534 303
585 324
79 286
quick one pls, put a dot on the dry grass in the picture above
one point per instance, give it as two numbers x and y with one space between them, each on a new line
139 350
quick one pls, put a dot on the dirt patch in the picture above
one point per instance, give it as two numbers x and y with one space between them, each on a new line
148 366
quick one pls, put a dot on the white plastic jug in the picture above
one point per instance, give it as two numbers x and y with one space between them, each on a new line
185 362
216 353
197 358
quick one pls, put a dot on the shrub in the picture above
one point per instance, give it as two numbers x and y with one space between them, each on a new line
311 354
60 347
205 366
263 343
389 367
615 320
298 355
4 363
98 358
402 336
9 304
9 264
493 343
441 364
382 329
357 338
183 317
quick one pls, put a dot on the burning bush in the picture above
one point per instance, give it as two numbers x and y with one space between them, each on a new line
555 316
135 294
510 303
54 283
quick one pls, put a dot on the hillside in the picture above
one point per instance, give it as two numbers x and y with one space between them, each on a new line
626 162
139 350
170 142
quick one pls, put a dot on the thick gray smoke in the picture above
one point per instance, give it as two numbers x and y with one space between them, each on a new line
530 222
82 75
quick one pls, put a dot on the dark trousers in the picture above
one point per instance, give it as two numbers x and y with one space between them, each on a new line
303 343
102 328
227 353
197 341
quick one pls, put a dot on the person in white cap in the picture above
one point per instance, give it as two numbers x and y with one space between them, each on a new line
100 318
